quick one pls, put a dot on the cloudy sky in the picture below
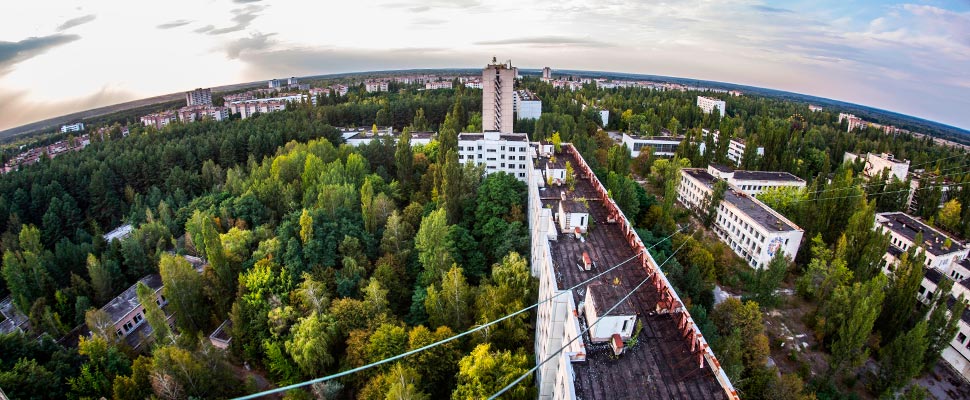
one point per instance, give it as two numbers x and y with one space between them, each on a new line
58 57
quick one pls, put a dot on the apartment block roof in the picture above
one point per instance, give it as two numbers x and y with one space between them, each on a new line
608 295
907 226
766 176
756 210
661 365
127 301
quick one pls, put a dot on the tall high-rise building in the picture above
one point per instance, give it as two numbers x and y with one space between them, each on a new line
546 73
498 81
198 97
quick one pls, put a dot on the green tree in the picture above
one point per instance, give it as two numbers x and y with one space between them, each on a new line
865 246
432 245
183 290
310 347
451 304
101 280
404 157
949 216
904 283
943 322
153 313
104 362
902 359
510 289
853 312
712 201
450 195
766 280
23 271
484 372
437 365
556 142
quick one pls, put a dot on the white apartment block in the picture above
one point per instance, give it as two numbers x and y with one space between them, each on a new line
246 108
754 183
750 228
601 365
526 104
292 81
498 82
546 74
198 97
506 152
75 127
200 112
159 120
946 258
708 104
375 86
736 147
877 163
439 85
663 146
274 84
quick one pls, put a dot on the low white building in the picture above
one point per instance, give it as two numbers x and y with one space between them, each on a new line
496 151
708 105
600 297
526 105
246 108
736 147
750 228
663 146
875 164
754 183
943 252
573 215
439 85
200 112
75 127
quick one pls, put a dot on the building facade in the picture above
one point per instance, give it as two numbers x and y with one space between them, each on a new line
875 164
159 120
708 105
750 228
498 83
506 152
246 108
198 97
375 86
754 183
75 127
201 112
662 146
526 105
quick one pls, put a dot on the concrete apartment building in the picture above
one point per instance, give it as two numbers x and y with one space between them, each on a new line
439 85
708 104
498 82
374 86
754 183
736 147
526 104
496 151
662 146
246 108
160 119
877 163
946 258
198 97
854 122
677 363
750 228
201 112
546 74
75 127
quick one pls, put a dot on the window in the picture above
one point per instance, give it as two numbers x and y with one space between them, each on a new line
128 326
625 322
503 165
137 318
961 337
119 333
503 148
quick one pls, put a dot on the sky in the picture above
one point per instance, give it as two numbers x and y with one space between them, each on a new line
58 57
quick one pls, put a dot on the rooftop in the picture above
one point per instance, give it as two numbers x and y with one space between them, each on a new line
908 227
606 295
766 176
11 319
660 365
756 210
526 95
514 137
933 275
574 206
668 138
120 306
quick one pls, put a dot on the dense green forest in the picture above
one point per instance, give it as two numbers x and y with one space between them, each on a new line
326 257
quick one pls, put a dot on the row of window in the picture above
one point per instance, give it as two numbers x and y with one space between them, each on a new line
503 148
472 156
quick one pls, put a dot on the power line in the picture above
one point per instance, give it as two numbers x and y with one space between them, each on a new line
529 372
871 184
878 193
937 160
446 340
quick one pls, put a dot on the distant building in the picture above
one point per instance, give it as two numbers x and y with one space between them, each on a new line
128 315
546 74
274 84
814 108
375 86
526 104
498 81
496 151
663 146
246 108
119 233
439 85
750 228
292 81
160 119
708 105
75 127
754 183
736 147
605 117
877 163
340 89
198 97
201 112
853 121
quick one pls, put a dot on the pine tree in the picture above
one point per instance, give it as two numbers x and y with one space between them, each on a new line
901 292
